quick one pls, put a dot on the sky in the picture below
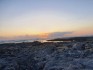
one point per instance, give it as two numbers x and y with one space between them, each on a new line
29 19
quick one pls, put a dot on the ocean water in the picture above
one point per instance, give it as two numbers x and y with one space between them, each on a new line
20 41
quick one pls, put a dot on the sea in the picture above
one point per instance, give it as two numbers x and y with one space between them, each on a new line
21 41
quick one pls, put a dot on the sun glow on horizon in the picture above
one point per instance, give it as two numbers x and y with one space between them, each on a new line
30 19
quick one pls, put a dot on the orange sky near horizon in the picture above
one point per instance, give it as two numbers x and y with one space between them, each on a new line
42 19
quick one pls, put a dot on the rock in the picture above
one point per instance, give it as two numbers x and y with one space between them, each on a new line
79 46
38 56
89 64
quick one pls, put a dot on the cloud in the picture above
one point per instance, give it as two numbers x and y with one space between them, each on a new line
25 37
58 34
36 37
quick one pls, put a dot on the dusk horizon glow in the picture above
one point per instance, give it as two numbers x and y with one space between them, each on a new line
25 19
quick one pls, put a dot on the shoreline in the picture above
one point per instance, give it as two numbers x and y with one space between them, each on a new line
46 56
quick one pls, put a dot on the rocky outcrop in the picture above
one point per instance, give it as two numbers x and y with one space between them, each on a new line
47 56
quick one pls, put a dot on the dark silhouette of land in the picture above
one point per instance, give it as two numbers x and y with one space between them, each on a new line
73 39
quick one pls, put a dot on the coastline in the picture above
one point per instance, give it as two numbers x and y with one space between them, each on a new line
46 56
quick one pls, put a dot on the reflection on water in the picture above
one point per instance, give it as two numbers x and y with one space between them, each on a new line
20 41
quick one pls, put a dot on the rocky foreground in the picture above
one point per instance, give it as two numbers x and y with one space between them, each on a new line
47 56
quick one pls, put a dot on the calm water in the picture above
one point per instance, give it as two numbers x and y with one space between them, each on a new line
20 41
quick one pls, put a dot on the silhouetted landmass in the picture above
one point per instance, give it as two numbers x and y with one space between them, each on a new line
73 39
